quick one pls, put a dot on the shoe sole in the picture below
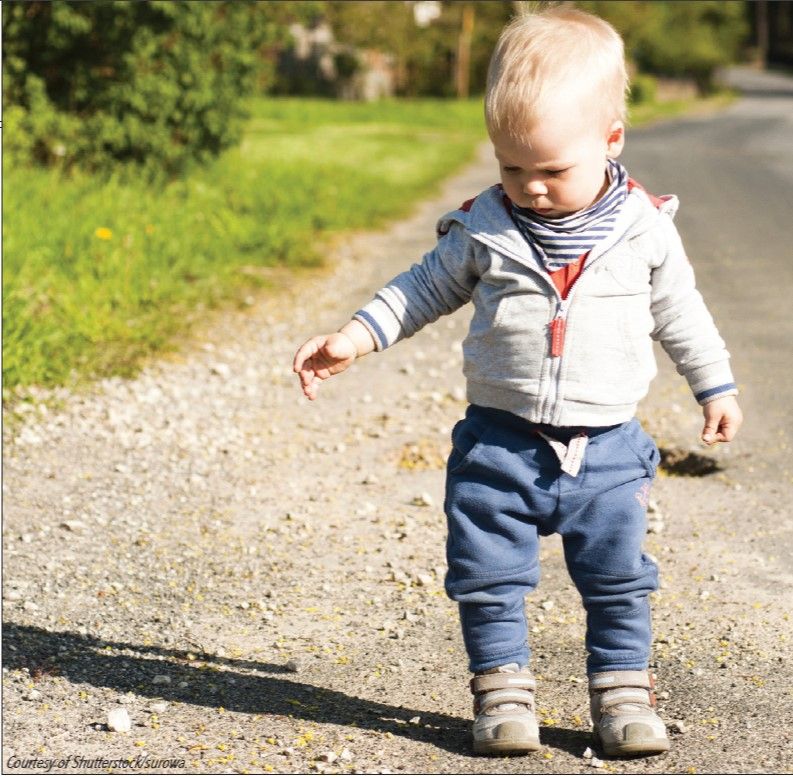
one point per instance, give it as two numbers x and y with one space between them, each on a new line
506 747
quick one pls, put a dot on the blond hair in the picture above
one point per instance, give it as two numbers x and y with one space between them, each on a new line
559 52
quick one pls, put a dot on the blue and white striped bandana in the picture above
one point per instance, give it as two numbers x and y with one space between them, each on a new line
561 241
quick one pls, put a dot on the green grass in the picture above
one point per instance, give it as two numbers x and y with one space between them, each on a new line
97 275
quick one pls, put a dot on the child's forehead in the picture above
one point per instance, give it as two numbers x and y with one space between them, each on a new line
549 141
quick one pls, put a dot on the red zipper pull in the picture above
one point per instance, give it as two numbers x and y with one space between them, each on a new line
558 326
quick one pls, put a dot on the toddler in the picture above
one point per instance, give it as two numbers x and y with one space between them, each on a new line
573 270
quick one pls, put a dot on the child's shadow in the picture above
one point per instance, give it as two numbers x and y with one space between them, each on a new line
85 659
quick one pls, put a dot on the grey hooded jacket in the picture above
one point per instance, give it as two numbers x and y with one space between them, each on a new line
584 361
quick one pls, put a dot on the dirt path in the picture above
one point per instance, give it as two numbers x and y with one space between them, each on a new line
258 580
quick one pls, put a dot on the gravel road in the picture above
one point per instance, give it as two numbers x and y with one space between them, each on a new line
258 581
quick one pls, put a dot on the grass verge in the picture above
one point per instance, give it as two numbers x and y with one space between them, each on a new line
100 274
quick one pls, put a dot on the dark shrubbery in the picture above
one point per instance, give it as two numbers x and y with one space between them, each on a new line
153 83
678 39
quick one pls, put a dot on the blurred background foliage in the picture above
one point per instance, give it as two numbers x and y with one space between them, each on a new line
163 83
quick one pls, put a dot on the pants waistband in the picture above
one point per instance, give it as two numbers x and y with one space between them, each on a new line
561 433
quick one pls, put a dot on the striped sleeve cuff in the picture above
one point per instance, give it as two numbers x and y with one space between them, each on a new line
712 381
382 324
725 390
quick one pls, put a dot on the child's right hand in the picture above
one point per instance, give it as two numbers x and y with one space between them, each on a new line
322 356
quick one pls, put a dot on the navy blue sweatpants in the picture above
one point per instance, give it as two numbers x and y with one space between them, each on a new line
504 488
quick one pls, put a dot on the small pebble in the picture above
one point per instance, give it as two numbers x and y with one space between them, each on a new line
223 370
159 707
118 720
72 526
293 665
678 727
547 605
596 762
415 721
328 757
345 755
161 679
32 695
587 753
423 500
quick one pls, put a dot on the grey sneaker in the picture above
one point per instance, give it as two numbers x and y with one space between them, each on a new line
623 714
504 722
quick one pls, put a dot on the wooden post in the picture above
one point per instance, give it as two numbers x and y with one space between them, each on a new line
761 23
463 70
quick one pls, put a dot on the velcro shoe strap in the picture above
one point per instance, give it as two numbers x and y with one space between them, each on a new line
504 696
493 682
615 696
628 679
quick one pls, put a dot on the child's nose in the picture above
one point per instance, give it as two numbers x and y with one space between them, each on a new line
535 186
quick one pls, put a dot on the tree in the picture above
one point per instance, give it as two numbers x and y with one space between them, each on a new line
157 84
677 38
426 57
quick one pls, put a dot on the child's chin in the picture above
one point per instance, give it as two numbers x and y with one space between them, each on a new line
548 213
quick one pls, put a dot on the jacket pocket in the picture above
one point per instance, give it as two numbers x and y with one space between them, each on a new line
609 352
508 348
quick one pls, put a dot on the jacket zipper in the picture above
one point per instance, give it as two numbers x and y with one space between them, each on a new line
558 329
558 324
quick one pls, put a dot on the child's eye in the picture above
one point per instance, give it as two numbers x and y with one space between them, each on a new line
510 169
556 172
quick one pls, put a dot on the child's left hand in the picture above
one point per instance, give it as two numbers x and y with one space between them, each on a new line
723 418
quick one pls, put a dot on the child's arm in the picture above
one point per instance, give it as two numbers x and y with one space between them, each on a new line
438 286
686 330
325 355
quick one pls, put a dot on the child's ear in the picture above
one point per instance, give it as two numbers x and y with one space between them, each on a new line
615 139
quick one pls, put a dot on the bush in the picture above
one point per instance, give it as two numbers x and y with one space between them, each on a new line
157 84
643 88
678 39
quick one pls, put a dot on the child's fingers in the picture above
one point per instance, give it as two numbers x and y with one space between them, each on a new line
721 430
307 351
309 381
710 432
727 430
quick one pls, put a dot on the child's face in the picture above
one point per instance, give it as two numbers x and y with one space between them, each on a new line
561 168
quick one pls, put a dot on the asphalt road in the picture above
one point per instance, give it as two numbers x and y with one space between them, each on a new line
733 173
